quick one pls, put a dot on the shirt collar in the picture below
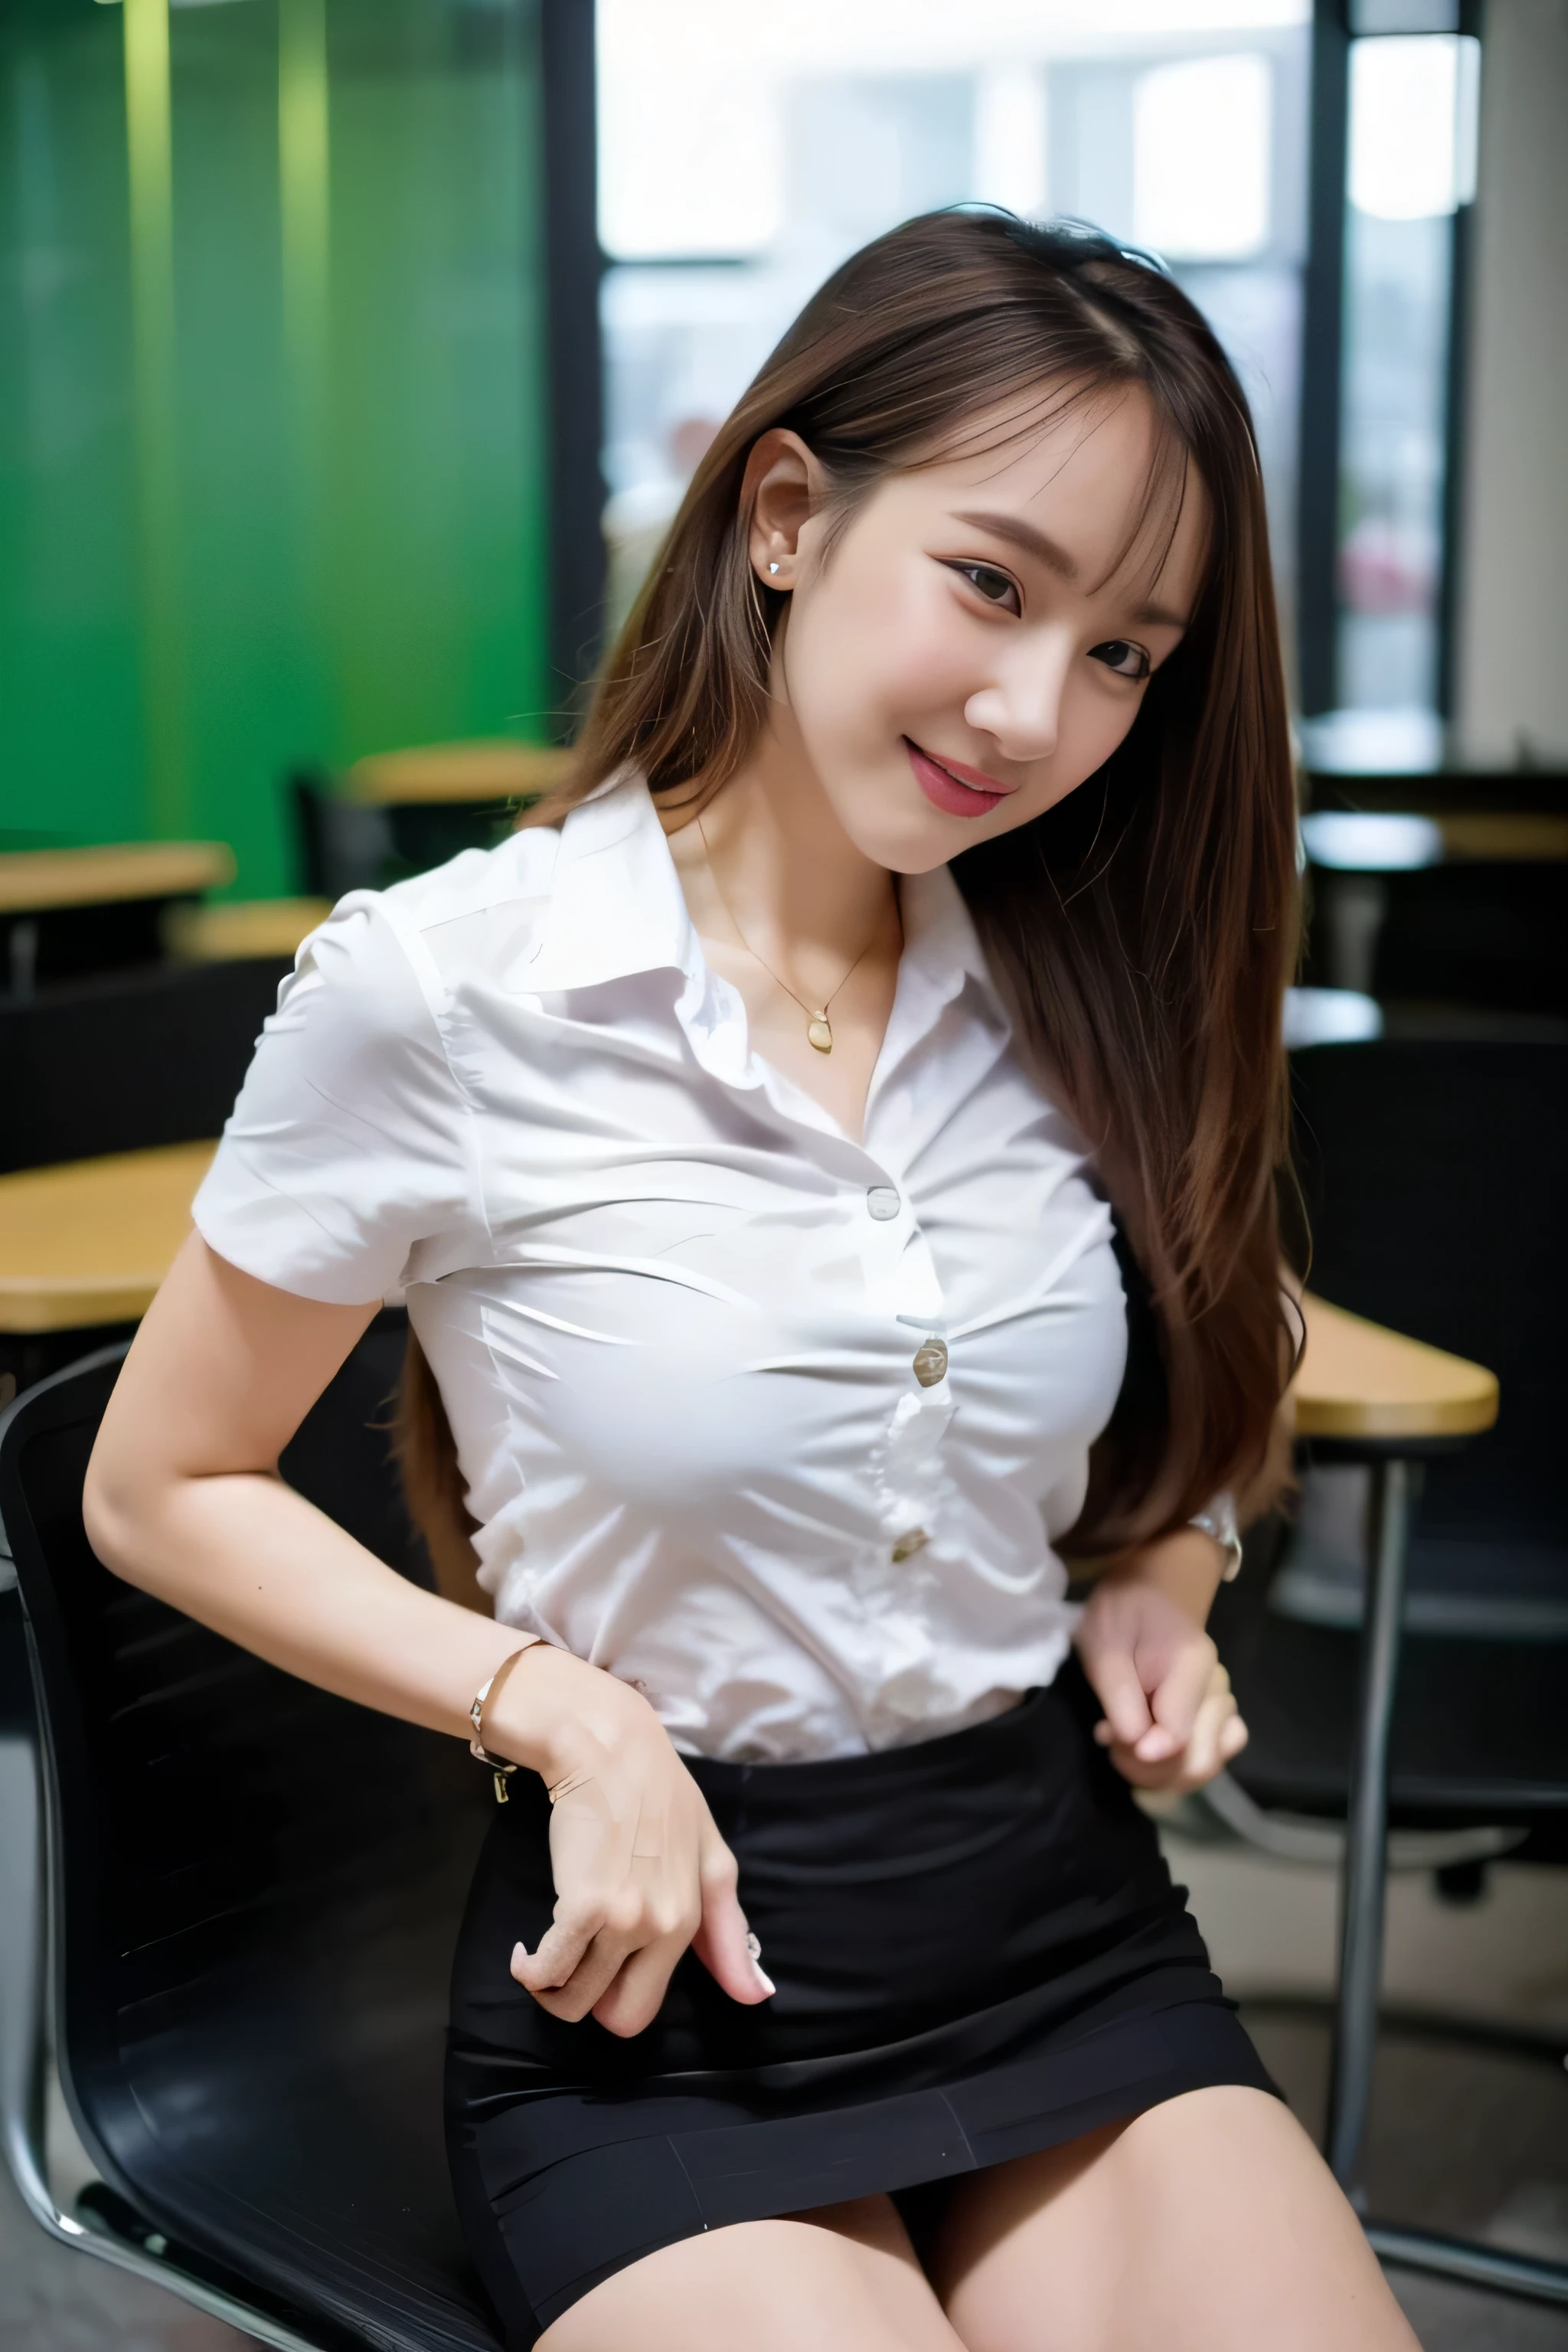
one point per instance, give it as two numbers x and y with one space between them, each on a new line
616 907
616 902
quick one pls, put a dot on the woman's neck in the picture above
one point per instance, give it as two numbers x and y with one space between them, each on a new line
787 873
796 919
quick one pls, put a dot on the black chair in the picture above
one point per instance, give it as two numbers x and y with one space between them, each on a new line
1481 927
1420 1679
1484 936
253 1892
124 1063
342 845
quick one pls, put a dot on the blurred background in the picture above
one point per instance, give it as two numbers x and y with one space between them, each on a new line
354 355
355 351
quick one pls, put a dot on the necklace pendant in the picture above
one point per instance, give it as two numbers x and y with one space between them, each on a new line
819 1032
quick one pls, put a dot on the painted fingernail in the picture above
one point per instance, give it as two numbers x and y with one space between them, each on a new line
519 1954
766 1981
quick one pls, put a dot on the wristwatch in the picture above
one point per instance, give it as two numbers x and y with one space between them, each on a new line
1219 1521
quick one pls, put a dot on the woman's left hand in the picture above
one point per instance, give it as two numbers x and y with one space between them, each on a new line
1171 1721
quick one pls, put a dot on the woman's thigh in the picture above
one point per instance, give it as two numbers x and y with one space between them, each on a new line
1209 2224
843 2279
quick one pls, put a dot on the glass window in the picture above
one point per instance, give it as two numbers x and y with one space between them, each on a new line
1200 158
745 149
1410 147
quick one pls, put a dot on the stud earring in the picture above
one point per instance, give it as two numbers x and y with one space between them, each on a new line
773 567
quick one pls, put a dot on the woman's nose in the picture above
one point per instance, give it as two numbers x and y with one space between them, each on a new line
1021 708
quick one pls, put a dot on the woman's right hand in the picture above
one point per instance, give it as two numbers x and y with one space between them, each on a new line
640 1870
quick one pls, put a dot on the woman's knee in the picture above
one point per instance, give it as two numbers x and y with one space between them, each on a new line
1209 2219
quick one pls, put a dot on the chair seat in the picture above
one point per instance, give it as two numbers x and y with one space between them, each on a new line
287 2098
1481 1734
258 2023
1464 1588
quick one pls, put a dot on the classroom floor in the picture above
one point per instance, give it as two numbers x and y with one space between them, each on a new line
1460 2138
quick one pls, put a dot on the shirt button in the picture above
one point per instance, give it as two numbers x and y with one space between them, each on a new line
913 1539
930 1362
882 1203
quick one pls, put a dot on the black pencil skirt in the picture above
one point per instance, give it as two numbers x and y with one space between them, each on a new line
979 1953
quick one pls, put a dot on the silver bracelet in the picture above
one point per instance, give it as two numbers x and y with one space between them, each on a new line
1219 1521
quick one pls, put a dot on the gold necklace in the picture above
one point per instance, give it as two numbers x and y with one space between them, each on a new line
818 1028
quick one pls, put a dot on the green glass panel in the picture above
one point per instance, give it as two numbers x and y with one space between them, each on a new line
295 514
72 736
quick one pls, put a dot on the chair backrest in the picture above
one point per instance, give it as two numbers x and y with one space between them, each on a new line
256 1892
1435 1172
344 843
126 1062
1479 933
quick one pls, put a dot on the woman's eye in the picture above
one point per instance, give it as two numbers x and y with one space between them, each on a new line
994 586
1121 656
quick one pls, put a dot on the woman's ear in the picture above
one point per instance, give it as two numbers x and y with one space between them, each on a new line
782 489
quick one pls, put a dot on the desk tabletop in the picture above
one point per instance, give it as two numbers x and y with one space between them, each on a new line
239 928
90 1241
32 881
1475 837
1357 1380
459 772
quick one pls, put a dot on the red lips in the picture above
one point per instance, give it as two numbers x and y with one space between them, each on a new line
953 787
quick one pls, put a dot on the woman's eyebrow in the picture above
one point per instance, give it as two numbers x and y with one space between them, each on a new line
1024 535
1018 533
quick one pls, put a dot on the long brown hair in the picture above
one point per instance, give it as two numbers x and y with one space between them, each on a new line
1146 926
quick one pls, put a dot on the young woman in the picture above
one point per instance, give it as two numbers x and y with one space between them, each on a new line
829 1157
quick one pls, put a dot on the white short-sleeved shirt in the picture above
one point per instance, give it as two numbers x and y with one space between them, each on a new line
777 1426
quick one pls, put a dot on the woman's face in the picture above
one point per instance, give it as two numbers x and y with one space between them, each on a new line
978 638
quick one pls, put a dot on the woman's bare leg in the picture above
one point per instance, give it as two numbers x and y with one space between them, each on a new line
1208 2224
843 2279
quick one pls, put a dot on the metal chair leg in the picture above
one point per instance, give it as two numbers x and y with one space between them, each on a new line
1457 2258
1366 1844
1362 1883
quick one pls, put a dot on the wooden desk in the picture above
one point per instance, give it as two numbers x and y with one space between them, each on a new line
90 1242
70 914
242 928
1506 835
474 773
1357 1380
35 881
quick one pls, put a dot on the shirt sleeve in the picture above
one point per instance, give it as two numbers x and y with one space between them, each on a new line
348 1148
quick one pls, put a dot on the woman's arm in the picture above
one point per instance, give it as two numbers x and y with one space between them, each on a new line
1170 1719
184 1499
